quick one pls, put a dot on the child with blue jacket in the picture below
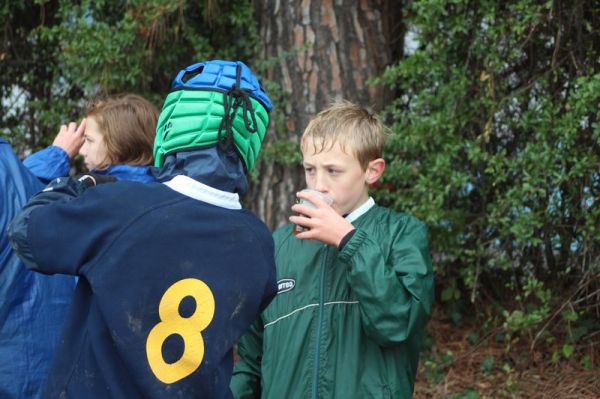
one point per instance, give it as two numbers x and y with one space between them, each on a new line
119 132
115 139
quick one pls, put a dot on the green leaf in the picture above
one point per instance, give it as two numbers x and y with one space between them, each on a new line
487 365
567 350
586 363
447 294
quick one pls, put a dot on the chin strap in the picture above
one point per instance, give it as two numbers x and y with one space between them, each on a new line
232 100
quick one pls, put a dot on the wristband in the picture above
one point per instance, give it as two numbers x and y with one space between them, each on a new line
346 238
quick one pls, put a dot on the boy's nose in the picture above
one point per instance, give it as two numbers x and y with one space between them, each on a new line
320 183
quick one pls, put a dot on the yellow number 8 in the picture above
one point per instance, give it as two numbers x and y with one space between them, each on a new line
188 328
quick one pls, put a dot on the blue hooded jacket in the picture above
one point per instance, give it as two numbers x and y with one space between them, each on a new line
48 164
53 162
33 306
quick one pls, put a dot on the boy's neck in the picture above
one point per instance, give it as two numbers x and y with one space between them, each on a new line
360 210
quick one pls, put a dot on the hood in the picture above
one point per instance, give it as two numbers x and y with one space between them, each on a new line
220 169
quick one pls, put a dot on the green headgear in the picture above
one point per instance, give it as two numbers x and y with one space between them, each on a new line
222 104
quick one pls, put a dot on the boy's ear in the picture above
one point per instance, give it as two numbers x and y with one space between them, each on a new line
375 170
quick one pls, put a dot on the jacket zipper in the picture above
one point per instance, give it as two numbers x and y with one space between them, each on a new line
319 327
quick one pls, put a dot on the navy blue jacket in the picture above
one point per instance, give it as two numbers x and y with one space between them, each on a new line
171 275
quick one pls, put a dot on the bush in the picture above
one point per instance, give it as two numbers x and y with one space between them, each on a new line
496 144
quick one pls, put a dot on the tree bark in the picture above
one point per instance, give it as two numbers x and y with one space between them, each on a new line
321 50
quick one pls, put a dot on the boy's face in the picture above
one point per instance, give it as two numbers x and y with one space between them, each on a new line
337 174
93 149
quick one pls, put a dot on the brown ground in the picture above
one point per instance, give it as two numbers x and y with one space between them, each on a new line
514 373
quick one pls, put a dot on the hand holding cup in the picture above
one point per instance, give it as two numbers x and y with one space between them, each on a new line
303 201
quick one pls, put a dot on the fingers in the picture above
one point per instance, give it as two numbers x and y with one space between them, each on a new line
62 130
71 129
81 128
304 209
302 220
307 231
70 138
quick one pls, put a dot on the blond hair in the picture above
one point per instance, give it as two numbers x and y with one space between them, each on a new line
351 126
128 125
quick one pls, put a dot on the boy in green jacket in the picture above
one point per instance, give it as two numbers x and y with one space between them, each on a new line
355 286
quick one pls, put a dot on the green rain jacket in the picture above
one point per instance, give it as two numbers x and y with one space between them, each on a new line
345 324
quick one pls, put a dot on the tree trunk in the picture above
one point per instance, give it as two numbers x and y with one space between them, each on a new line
321 51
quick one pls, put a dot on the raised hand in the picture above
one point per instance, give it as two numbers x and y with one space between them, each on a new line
70 138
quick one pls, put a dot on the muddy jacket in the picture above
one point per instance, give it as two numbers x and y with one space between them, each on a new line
344 324
170 276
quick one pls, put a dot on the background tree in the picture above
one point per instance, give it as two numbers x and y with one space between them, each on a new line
314 52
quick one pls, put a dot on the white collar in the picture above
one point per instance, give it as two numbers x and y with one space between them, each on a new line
200 191
361 210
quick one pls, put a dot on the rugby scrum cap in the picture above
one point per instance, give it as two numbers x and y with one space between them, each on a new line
213 103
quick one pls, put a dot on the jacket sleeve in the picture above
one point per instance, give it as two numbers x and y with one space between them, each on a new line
48 164
60 190
395 289
17 184
245 383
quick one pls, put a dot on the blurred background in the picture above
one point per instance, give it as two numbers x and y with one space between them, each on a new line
494 141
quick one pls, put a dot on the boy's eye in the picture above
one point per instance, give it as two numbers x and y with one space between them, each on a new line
308 169
333 171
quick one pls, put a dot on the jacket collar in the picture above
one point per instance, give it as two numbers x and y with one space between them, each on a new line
361 210
128 172
201 192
